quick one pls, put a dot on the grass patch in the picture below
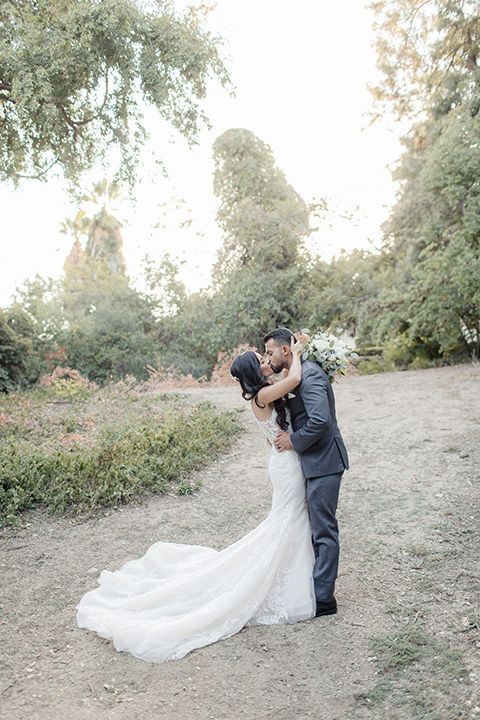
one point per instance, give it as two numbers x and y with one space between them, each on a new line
377 694
416 674
408 612
400 648
100 449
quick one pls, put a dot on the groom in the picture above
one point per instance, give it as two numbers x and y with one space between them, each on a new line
318 441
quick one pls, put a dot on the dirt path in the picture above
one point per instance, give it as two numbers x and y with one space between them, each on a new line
409 575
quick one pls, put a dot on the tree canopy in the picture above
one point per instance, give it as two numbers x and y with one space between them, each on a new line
76 75
429 53
417 300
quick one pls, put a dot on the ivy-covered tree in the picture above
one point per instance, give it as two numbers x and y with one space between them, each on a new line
75 76
261 265
263 219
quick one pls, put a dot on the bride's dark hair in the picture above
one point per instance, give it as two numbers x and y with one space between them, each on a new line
246 369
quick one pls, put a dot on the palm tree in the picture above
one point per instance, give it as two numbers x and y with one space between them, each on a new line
75 228
104 237
103 230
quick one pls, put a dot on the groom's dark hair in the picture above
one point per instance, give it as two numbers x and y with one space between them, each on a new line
280 336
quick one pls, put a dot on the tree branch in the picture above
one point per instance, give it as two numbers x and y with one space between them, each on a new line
72 123
79 123
39 175
4 86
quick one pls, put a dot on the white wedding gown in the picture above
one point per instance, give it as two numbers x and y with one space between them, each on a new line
180 597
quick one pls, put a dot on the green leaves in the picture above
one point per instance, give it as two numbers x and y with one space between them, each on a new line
429 305
428 53
75 74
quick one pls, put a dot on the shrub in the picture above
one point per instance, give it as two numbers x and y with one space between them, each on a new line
221 372
124 461
374 365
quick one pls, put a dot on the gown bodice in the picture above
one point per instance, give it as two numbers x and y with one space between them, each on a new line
270 427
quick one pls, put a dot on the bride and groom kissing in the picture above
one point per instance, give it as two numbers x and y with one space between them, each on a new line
180 597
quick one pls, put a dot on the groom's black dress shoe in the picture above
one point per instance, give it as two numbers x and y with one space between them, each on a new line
326 608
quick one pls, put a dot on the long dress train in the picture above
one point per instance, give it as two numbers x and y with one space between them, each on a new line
180 597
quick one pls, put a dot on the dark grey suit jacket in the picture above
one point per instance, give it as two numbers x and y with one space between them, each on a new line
316 436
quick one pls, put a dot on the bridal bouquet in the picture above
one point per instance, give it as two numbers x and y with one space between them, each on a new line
327 351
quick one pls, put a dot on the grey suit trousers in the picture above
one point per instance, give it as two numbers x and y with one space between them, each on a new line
322 499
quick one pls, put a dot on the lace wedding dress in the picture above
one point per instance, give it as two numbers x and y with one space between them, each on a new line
180 597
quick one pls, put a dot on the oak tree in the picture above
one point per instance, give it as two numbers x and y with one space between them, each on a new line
77 75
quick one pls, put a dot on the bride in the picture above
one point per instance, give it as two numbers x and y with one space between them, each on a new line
180 597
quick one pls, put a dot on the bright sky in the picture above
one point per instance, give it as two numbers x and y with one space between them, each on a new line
300 71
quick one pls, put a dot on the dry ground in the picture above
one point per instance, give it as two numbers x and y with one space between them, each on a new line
405 642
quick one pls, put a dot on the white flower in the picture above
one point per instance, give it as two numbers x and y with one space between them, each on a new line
321 344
